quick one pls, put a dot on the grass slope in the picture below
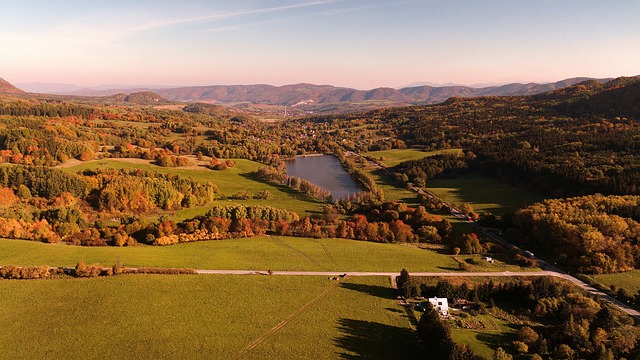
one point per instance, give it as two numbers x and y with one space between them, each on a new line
629 281
391 190
229 182
394 157
196 317
495 333
483 193
259 253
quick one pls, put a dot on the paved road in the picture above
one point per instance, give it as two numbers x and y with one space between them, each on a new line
551 269
374 273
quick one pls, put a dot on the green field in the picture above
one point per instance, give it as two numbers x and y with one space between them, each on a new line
629 281
229 182
390 189
485 194
396 156
259 253
493 333
203 317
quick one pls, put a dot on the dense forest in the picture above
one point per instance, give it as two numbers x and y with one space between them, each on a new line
562 143
590 234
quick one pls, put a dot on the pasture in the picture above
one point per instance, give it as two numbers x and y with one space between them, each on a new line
630 280
203 317
484 194
390 189
258 253
394 157
229 181
483 333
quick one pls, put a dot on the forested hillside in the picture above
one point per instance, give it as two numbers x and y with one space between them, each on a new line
578 140
560 144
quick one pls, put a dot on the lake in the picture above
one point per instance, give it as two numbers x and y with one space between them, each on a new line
324 171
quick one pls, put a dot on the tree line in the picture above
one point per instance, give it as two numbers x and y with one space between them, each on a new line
577 326
590 234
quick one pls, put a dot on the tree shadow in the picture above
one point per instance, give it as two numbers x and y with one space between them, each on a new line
448 268
395 310
372 340
373 290
494 340
441 251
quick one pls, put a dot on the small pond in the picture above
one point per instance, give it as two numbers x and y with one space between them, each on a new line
324 171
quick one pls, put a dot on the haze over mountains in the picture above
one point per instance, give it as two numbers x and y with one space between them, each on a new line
300 94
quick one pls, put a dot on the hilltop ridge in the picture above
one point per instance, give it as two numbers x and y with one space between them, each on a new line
8 88
309 95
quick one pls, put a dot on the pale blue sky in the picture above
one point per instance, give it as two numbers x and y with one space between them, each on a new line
355 43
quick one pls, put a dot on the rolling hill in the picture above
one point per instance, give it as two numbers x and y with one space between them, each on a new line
7 88
310 95
293 95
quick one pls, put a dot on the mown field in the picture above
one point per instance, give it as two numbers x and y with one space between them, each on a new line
258 253
391 190
629 281
483 193
486 334
229 182
394 157
203 317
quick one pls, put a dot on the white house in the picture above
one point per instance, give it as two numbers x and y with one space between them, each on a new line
440 304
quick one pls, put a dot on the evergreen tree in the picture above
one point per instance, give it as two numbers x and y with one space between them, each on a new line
435 335
402 283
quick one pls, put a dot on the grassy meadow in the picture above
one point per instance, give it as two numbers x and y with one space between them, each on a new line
491 333
258 253
391 190
629 280
203 317
394 157
229 182
485 194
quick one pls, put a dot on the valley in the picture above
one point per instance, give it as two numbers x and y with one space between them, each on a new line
443 190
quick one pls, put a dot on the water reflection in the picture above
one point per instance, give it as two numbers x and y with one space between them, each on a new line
324 171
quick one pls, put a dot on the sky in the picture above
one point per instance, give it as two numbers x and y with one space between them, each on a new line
354 43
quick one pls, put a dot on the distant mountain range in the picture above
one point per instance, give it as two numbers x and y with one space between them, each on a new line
306 95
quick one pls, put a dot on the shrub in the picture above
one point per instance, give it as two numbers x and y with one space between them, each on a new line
84 270
26 272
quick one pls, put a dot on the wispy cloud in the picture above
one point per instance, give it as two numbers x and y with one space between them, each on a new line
222 16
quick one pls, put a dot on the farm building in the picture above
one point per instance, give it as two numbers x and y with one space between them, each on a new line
440 304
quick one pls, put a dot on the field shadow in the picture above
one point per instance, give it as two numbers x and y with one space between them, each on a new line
373 290
372 340
395 310
474 187
496 339
448 268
